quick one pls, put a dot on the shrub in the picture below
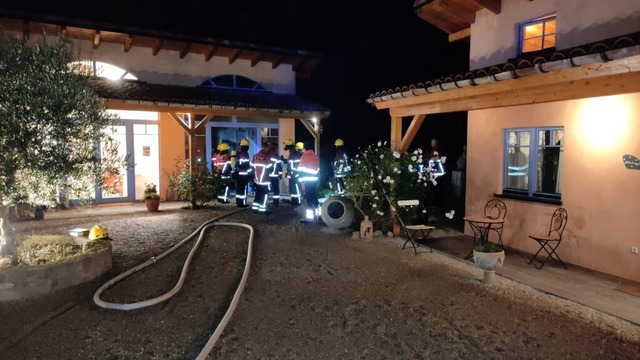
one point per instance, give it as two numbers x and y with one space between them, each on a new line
198 187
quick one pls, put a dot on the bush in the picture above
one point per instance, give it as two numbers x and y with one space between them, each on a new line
198 187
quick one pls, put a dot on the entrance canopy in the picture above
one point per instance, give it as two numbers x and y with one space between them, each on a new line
609 67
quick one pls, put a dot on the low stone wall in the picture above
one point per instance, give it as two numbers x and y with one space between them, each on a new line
20 282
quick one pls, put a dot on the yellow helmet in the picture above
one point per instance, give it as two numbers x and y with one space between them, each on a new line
339 142
244 142
223 147
300 145
98 232
288 142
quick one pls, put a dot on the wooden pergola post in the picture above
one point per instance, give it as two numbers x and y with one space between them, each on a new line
188 123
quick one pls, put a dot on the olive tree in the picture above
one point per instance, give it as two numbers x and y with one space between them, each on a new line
51 121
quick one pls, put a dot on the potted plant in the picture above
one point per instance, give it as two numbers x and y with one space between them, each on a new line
151 197
488 256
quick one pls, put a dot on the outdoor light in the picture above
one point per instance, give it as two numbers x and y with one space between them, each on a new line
309 214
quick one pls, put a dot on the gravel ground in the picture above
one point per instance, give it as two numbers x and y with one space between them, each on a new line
311 294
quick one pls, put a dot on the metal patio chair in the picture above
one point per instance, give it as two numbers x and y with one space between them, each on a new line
496 209
415 233
550 241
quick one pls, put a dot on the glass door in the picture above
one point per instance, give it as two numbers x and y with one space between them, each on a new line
118 179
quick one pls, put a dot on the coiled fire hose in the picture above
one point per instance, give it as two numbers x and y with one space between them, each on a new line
201 230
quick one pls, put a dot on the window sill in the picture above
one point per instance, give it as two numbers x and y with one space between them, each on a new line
529 198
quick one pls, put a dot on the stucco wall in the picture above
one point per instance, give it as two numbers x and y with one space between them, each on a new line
599 193
494 38
167 67
172 147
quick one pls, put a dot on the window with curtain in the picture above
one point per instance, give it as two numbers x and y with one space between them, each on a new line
533 162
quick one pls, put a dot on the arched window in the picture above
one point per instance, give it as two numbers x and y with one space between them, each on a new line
232 82
100 69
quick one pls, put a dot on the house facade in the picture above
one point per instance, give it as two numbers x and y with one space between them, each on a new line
178 96
553 101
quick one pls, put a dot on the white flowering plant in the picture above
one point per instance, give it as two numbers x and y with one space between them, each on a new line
383 176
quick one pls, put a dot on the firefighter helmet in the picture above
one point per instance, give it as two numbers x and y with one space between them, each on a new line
339 142
244 142
288 142
98 232
300 145
223 147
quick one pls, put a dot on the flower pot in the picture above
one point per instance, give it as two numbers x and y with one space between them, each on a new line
488 261
152 204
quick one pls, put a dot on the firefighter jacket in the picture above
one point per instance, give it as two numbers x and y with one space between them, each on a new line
341 163
222 163
243 163
276 168
261 163
294 160
309 166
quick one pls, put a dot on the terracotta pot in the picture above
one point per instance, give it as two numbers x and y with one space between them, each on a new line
152 204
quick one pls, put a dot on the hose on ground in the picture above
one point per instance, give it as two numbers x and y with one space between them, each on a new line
201 230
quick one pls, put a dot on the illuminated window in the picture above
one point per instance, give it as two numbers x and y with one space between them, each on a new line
533 162
232 82
538 34
100 69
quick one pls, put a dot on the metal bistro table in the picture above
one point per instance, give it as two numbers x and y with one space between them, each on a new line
480 225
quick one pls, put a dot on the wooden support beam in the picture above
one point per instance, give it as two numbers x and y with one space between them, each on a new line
234 56
157 47
584 72
128 43
313 129
570 90
277 62
460 35
96 39
181 122
256 59
408 137
298 64
185 50
204 121
396 133
210 53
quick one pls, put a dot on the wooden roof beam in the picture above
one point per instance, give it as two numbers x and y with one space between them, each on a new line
460 35
210 53
157 47
185 50
96 39
616 84
256 59
495 6
234 56
298 65
277 62
128 43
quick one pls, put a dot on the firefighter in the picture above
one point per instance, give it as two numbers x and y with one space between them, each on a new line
261 164
275 174
243 173
222 164
309 168
292 174
341 166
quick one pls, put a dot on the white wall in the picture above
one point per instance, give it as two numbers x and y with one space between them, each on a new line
494 38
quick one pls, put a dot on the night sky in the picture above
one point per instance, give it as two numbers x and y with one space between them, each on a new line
368 46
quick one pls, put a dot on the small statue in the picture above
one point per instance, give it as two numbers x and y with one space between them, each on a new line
366 228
